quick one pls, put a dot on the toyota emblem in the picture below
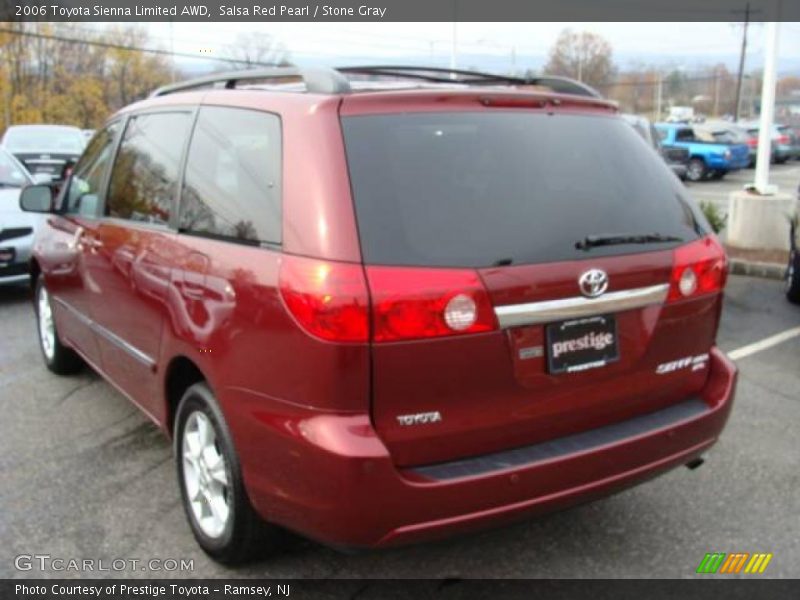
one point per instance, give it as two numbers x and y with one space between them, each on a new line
593 283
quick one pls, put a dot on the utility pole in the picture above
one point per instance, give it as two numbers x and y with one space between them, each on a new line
741 62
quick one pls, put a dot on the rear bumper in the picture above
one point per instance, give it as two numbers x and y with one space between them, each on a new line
330 477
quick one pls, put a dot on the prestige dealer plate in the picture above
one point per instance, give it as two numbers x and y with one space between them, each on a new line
581 344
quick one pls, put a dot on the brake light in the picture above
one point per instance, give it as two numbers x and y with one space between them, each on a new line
752 142
699 268
783 139
410 303
328 299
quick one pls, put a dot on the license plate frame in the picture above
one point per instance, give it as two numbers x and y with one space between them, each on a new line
583 344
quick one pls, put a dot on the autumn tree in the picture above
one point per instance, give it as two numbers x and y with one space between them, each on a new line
583 56
47 75
257 49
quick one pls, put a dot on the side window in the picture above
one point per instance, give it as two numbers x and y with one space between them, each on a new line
684 135
87 177
232 186
144 179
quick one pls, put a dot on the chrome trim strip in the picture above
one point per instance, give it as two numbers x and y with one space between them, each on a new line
514 315
143 358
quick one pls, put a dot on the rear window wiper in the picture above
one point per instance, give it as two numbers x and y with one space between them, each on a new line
591 241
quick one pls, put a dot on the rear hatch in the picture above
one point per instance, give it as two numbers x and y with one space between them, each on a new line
482 231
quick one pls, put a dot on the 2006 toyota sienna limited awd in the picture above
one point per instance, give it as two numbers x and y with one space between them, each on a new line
380 305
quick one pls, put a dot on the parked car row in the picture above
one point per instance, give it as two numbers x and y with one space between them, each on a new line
17 228
677 158
785 141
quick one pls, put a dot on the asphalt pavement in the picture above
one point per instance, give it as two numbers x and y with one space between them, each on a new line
85 475
785 176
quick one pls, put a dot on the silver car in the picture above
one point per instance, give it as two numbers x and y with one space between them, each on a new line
17 228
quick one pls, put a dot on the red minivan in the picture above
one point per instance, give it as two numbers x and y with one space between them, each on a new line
381 305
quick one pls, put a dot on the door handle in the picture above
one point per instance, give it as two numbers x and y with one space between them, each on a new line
193 291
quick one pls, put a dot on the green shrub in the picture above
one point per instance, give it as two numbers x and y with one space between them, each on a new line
715 217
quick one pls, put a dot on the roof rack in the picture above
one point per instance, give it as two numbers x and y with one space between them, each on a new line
317 80
562 85
323 80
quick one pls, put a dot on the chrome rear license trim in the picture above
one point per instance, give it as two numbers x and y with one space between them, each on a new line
532 313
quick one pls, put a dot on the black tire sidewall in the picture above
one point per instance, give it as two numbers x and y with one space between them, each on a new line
199 397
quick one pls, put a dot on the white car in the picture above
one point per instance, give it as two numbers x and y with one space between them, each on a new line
17 228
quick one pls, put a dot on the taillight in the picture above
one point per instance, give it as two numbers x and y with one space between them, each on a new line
783 139
328 299
699 268
411 303
752 142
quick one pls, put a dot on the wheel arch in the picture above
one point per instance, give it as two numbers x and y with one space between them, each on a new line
181 373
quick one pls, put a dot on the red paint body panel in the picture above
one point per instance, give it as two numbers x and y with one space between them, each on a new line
315 422
349 461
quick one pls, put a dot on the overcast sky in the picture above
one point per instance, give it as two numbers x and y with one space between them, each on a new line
336 43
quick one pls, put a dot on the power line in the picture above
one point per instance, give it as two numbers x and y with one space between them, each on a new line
158 51
129 48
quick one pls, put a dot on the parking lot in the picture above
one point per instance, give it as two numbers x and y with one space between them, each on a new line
785 176
86 475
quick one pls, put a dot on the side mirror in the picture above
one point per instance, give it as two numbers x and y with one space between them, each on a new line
36 198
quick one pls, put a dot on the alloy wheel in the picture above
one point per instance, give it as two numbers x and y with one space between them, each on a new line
205 475
47 331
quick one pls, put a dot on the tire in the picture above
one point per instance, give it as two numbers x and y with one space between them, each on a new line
58 358
231 533
793 277
697 170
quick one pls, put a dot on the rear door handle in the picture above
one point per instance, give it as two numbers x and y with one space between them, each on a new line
193 291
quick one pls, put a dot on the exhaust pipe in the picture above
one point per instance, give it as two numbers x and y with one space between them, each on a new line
696 462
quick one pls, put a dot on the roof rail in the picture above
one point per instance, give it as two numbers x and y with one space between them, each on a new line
562 85
323 80
317 80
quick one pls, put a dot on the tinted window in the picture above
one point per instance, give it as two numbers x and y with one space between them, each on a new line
232 187
684 134
145 175
86 183
473 189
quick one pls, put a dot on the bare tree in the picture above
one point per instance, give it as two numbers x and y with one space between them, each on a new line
584 56
257 49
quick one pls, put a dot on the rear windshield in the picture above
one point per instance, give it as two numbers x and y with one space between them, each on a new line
479 189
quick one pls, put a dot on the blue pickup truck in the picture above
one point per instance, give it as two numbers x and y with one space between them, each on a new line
707 159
